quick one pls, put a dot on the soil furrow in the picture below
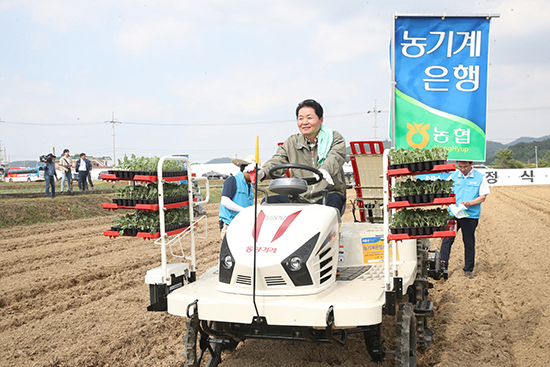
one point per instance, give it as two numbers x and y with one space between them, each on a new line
71 297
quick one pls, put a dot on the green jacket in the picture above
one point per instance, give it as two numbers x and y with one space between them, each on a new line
296 150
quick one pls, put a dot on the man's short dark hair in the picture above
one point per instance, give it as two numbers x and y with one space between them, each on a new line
65 151
313 104
81 154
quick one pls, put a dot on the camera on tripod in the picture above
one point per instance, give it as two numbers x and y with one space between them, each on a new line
46 158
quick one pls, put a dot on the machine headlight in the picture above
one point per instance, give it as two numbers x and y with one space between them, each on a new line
295 263
227 262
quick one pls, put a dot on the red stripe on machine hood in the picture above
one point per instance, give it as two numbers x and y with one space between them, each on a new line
284 226
259 222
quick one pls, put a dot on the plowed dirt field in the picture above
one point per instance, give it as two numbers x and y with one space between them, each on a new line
71 297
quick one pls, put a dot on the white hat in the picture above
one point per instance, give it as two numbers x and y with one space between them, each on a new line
244 162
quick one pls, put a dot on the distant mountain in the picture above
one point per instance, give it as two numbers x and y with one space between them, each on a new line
219 160
524 149
525 139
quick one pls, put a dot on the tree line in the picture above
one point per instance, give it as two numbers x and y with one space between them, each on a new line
522 155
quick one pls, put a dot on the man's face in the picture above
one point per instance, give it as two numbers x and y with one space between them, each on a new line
83 156
309 123
66 154
464 167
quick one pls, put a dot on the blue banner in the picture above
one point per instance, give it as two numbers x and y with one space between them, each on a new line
441 84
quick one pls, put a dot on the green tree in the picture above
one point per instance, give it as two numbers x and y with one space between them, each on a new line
505 159
545 161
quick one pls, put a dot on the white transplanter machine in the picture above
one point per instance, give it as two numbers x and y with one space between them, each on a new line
297 272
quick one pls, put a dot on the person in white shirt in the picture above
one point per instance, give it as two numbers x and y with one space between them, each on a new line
83 167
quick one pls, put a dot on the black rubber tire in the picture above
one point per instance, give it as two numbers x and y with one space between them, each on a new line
405 341
190 339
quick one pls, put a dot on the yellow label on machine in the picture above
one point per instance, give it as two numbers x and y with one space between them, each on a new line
373 250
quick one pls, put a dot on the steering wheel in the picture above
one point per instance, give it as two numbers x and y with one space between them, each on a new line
309 180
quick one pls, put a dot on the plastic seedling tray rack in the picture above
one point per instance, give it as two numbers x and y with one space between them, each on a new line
449 231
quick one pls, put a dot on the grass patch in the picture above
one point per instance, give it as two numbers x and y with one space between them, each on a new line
29 187
23 211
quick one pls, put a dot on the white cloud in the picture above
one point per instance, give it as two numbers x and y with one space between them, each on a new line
62 14
342 42
521 18
154 32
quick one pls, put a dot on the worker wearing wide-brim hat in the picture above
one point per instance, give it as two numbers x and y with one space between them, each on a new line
237 192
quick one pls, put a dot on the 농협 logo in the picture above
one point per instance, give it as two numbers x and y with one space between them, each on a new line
421 129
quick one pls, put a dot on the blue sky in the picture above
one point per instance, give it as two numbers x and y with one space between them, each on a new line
206 77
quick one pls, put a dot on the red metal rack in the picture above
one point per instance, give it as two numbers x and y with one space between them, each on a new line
144 235
450 231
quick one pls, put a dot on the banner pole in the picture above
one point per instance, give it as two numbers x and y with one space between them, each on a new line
392 97
255 224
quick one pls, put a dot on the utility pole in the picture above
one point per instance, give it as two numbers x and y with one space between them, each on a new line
2 154
113 122
536 158
375 111
3 157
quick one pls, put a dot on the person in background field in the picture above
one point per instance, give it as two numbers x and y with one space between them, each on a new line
65 162
83 167
90 179
237 192
50 175
471 189
316 146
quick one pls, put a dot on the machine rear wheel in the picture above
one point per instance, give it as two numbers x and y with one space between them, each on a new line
190 339
405 343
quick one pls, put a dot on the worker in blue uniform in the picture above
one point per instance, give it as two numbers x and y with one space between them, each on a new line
471 189
237 192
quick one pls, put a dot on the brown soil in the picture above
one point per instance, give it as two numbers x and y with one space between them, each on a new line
72 297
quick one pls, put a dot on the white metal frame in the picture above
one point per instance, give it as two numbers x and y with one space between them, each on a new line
192 223
394 262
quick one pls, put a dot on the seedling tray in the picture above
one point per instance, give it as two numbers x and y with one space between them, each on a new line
449 231
448 167
145 235
141 178
437 201
130 174
153 207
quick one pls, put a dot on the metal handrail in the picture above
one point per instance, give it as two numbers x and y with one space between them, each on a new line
163 236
